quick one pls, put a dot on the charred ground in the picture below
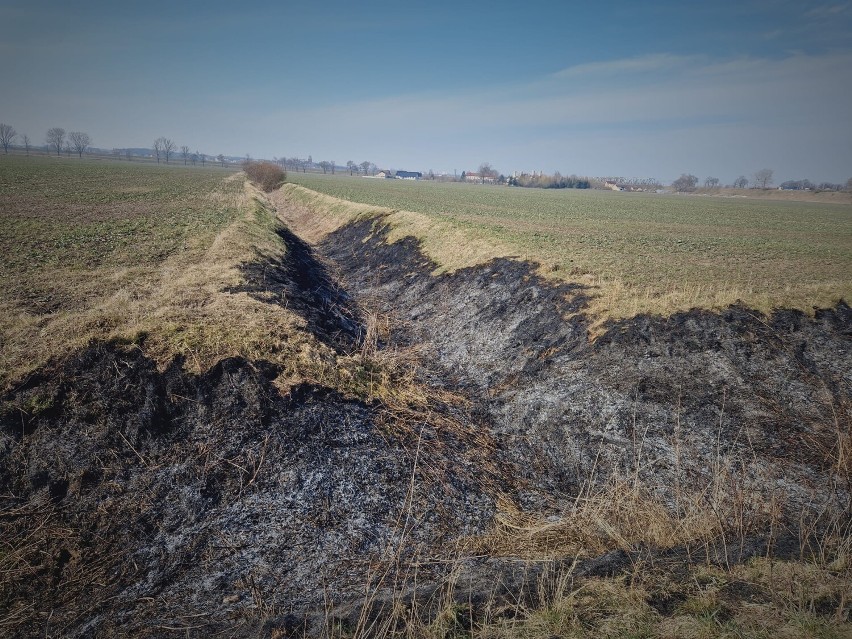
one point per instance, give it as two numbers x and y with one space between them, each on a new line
775 389
524 458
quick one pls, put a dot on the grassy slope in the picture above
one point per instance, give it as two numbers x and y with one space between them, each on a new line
643 252
763 598
102 250
149 255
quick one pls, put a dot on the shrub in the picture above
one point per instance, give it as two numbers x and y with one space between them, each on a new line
266 175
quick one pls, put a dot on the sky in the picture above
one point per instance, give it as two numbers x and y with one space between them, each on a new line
627 89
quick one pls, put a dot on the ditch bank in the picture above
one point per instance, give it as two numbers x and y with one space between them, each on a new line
141 501
653 399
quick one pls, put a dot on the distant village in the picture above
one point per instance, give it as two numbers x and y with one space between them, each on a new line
166 151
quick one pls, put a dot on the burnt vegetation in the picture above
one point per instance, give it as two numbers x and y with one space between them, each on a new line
425 453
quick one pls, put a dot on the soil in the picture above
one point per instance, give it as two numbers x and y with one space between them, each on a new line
144 502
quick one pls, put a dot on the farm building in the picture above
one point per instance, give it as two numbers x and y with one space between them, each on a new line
479 179
408 175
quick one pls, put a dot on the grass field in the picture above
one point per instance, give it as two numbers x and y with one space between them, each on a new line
151 255
641 252
102 250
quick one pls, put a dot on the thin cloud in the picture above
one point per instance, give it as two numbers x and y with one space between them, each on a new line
828 11
638 64
794 106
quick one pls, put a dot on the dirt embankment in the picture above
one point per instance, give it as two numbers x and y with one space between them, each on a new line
655 398
142 501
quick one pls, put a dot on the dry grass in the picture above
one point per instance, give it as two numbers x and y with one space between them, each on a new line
175 304
760 599
654 596
698 589
637 252
158 273
451 247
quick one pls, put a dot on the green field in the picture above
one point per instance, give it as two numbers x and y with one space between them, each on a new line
106 249
61 216
151 255
641 252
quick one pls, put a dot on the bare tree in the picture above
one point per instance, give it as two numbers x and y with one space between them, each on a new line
128 154
741 182
25 139
79 141
168 148
324 166
763 178
7 134
365 166
486 171
686 182
351 166
56 138
332 163
158 148
711 182
184 151
201 156
828 186
221 159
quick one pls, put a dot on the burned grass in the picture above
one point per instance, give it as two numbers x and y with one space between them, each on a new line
719 437
136 500
638 253
263 437
177 429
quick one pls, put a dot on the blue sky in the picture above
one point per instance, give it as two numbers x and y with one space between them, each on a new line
605 88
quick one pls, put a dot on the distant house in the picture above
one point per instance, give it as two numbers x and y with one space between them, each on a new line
384 174
479 179
408 175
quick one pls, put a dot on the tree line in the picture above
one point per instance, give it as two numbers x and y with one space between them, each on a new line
761 179
60 141
163 149
76 141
